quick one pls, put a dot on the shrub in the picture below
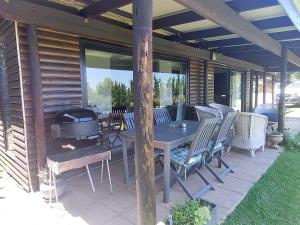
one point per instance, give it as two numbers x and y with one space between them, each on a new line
291 142
190 213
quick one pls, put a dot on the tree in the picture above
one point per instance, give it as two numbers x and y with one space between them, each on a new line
293 76
156 92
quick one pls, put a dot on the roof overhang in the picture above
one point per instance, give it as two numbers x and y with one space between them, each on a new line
36 14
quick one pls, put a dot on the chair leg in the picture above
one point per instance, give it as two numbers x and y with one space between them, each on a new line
90 177
203 178
108 171
101 178
55 190
213 173
219 161
200 193
227 170
181 184
252 153
50 188
228 148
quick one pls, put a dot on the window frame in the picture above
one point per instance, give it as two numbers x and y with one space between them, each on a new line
119 49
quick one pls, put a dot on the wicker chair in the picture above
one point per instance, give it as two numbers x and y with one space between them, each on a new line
223 108
250 132
206 113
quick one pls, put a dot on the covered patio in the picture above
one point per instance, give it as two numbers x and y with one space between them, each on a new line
81 206
117 57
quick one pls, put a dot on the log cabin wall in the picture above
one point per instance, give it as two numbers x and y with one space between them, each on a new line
19 160
60 71
246 90
211 86
196 81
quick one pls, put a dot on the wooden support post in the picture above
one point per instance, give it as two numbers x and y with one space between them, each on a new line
264 87
251 92
39 122
256 89
273 89
143 111
283 76
205 83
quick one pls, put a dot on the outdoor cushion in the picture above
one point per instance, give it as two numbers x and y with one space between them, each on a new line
179 155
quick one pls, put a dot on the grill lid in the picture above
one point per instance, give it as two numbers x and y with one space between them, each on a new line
75 115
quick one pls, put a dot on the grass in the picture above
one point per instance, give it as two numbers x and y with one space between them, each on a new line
275 199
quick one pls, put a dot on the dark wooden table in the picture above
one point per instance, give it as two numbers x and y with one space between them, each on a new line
166 138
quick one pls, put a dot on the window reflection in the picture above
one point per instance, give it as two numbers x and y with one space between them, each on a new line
109 81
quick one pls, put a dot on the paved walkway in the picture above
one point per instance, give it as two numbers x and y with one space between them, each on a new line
80 205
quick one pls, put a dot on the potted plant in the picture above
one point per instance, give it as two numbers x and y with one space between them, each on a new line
193 212
46 187
274 138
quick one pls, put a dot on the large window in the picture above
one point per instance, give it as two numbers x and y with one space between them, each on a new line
109 79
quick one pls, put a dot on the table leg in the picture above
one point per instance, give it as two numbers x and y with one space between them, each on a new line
125 160
166 176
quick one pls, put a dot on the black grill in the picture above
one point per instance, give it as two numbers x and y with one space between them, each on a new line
76 123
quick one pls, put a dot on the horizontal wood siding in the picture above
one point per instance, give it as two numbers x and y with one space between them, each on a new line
26 84
211 86
60 70
14 162
196 80
246 91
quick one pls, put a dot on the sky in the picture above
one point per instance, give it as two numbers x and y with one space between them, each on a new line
96 75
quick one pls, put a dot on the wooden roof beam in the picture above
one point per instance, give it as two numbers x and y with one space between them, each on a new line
102 6
190 16
226 17
269 23
30 13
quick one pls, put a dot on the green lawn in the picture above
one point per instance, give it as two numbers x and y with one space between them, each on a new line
275 198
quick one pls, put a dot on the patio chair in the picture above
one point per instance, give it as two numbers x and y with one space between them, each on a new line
217 147
129 125
185 161
250 132
161 116
128 120
204 112
114 125
224 109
